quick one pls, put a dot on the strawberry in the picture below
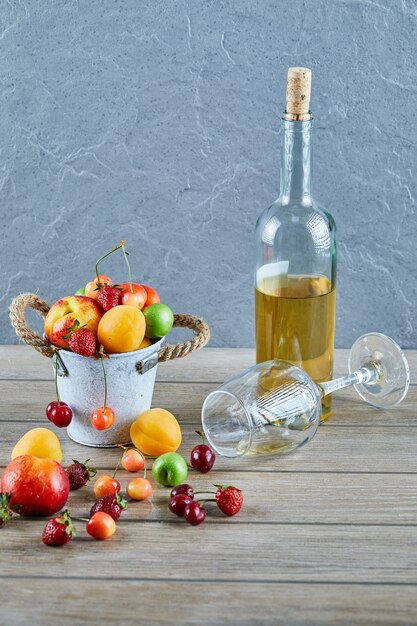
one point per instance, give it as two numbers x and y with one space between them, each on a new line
229 499
59 530
112 505
5 512
79 474
83 341
108 297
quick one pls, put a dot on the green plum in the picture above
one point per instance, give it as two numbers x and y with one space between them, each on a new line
159 320
170 469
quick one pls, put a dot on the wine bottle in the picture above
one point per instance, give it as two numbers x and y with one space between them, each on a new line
295 275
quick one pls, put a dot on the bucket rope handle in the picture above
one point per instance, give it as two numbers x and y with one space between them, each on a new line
170 351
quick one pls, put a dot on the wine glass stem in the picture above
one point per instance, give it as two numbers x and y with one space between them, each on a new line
368 374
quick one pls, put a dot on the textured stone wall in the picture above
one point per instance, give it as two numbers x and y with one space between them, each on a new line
158 121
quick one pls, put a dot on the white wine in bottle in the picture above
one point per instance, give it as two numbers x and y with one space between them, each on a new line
295 275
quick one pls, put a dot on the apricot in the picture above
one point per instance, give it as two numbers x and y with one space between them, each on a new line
40 442
121 329
155 432
145 343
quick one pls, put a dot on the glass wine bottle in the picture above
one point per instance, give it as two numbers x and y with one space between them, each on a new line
295 276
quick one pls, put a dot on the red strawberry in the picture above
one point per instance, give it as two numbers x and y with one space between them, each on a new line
112 505
108 297
59 530
83 342
5 512
229 499
79 474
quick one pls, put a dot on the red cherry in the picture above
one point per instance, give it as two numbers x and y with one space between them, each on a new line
202 458
59 414
194 514
178 503
184 489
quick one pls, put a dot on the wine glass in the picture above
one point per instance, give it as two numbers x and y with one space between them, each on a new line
275 407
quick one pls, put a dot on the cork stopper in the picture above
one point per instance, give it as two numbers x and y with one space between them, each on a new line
298 94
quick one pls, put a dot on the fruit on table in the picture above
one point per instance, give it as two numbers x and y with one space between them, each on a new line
136 296
40 442
132 460
184 489
170 469
178 503
112 505
159 320
59 413
80 292
121 329
36 486
108 297
83 342
65 312
91 289
152 296
155 432
106 485
79 474
102 418
202 458
101 526
229 500
194 514
59 530
139 488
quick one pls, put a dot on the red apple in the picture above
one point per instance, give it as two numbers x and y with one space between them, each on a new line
136 297
36 486
152 296
63 314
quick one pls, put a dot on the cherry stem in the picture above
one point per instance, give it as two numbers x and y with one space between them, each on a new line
197 493
56 379
106 255
105 382
80 519
129 271
203 502
117 467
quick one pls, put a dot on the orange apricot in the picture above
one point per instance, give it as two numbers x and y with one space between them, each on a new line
155 432
121 329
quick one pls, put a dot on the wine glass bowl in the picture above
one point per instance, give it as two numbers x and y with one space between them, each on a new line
275 407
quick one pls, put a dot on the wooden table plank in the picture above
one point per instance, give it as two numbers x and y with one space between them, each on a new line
26 400
290 498
210 364
242 552
237 604
344 449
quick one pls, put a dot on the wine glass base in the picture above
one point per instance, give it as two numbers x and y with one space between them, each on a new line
394 379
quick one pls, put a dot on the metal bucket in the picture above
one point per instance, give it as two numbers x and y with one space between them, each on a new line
129 392
130 375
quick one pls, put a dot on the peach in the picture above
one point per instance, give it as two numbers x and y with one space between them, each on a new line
63 314
121 329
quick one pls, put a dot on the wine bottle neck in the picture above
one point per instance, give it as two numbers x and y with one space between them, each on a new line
296 162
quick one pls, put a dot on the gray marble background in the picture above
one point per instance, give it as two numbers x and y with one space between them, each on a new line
158 122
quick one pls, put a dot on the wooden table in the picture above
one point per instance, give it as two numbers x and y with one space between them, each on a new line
327 535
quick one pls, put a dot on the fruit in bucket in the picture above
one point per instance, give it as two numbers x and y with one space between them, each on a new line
65 312
152 296
91 289
121 329
36 486
155 432
159 320
40 442
133 294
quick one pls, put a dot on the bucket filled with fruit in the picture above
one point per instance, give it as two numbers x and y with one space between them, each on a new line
105 343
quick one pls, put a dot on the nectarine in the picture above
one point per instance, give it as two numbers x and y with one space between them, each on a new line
63 314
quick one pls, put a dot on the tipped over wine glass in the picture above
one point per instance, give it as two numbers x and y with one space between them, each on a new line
275 407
